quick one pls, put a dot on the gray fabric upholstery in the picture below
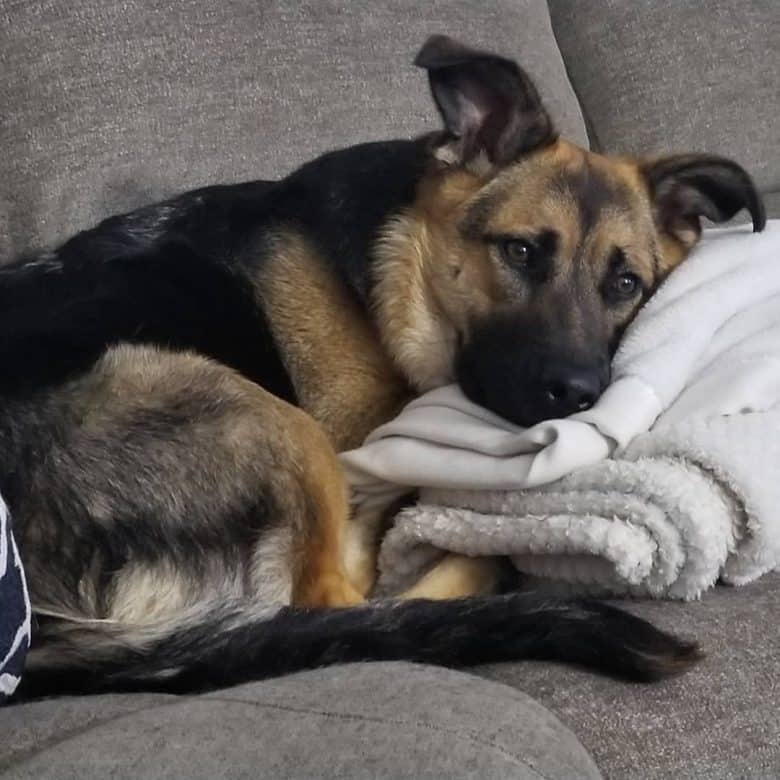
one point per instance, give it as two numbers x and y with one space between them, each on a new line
108 104
772 203
719 722
669 76
389 721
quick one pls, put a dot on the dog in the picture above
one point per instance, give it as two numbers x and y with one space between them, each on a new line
177 383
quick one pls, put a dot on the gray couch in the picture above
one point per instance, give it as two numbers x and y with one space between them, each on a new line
106 104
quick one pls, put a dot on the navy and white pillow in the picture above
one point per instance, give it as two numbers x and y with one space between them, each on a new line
14 610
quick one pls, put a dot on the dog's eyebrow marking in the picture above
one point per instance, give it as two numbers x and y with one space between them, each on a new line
617 260
592 191
475 222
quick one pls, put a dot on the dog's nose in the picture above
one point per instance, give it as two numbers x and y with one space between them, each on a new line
565 390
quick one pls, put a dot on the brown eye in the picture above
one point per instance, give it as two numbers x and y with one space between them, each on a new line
517 251
626 285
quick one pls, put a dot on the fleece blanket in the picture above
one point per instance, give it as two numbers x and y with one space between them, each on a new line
667 484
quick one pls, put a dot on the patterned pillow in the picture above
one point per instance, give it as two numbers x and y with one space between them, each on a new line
15 611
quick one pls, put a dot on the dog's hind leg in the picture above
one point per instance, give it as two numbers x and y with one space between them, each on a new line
160 480
319 574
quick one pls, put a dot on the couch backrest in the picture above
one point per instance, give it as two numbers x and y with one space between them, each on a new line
107 104
678 75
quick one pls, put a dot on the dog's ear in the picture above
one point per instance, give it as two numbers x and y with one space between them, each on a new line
684 188
488 103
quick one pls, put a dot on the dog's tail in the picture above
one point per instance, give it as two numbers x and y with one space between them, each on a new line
233 645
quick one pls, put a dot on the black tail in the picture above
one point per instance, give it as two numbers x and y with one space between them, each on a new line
229 648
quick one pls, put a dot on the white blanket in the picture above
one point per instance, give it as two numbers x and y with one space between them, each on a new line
673 476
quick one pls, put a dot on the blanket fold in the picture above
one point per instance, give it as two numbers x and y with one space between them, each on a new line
668 484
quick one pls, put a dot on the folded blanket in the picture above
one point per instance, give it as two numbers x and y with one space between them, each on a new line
666 484
14 610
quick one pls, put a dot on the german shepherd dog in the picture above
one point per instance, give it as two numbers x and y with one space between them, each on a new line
177 381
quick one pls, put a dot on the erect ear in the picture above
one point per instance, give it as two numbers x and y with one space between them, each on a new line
684 188
488 103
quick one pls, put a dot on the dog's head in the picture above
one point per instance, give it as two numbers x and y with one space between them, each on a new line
524 256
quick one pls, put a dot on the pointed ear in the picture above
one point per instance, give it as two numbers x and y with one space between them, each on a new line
684 188
488 103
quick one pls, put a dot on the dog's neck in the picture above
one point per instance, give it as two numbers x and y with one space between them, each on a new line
415 245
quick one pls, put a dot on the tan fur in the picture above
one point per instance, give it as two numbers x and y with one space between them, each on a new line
362 537
429 280
433 281
341 375
319 577
148 593
271 566
673 250
253 434
456 576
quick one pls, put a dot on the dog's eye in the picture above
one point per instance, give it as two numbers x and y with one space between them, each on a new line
517 251
626 285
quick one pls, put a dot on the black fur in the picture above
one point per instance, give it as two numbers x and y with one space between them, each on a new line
227 648
687 187
178 274
505 118
594 193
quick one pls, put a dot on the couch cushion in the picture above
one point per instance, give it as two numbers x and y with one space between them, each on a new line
667 76
721 721
389 720
108 104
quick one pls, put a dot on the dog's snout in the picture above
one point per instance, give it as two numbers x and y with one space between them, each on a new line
529 381
567 389
529 385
